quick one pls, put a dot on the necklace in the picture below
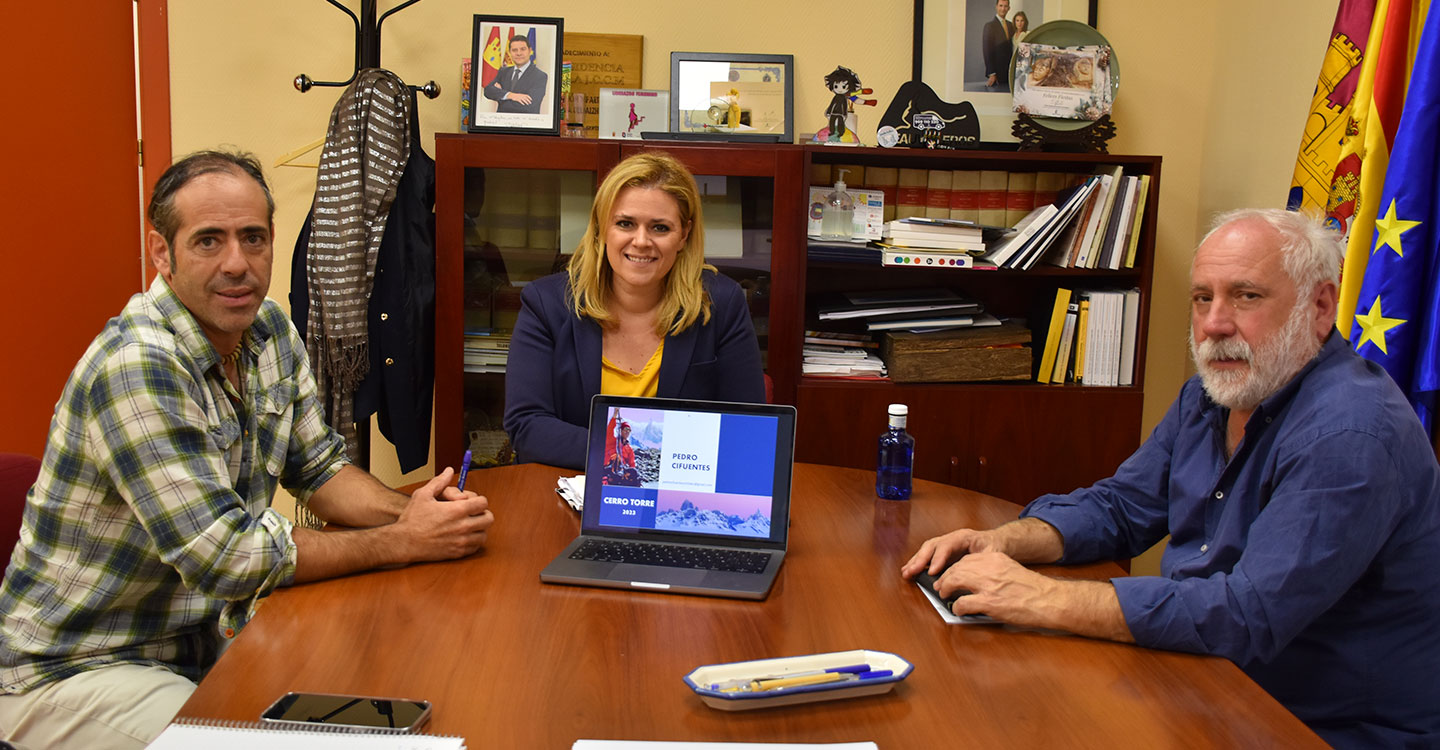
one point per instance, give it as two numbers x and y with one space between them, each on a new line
233 360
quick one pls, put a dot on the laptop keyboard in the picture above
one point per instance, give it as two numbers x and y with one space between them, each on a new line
671 556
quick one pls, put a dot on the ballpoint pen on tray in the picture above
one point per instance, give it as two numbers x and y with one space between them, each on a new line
742 682
818 677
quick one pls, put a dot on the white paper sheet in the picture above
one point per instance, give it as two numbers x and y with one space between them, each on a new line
647 744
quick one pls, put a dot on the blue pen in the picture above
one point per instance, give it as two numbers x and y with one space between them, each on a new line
737 683
464 470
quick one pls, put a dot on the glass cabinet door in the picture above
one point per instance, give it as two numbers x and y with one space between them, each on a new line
739 219
511 209
520 225
752 224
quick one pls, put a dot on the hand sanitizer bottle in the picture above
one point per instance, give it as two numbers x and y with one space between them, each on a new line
837 218
896 459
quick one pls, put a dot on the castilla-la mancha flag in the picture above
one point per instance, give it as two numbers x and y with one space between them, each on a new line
1351 130
492 58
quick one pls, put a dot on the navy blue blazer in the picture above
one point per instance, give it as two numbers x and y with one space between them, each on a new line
554 367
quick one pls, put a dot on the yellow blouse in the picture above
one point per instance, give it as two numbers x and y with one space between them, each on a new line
617 381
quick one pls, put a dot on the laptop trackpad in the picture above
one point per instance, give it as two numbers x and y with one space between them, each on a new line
657 574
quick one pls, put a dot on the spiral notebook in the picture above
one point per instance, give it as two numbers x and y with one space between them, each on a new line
187 734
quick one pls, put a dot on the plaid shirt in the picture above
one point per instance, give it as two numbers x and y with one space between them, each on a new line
149 536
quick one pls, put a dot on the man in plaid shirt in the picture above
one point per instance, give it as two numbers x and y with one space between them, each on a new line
149 536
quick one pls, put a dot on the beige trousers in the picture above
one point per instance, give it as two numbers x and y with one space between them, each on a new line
122 706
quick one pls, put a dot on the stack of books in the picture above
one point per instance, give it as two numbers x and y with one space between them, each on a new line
486 350
949 243
842 355
905 310
837 338
835 360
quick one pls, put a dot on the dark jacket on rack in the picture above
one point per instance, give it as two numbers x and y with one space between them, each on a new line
400 385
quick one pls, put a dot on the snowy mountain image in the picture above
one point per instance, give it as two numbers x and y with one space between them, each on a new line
690 517
648 436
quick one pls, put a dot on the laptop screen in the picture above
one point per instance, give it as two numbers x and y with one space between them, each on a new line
689 470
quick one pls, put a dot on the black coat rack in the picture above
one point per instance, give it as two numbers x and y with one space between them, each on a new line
367 55
367 46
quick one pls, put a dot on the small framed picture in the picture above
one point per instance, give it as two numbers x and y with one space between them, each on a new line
515 81
626 113
1067 82
732 95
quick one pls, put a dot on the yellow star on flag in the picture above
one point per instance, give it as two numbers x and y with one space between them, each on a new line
1374 324
1390 228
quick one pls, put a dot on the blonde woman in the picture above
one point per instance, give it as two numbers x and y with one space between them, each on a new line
638 312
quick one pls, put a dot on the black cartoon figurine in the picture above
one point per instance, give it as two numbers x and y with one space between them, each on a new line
845 86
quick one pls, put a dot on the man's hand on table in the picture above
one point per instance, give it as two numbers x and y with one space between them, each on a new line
452 525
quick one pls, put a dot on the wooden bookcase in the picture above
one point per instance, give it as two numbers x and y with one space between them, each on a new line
1012 440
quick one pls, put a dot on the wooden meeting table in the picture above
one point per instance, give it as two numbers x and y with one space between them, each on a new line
510 662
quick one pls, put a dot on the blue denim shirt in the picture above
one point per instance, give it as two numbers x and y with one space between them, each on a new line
1311 558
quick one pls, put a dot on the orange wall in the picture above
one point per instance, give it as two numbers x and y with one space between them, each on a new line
71 215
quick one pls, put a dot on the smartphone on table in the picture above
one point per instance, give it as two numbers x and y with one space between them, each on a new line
348 713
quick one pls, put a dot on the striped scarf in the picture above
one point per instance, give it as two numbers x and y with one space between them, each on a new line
366 148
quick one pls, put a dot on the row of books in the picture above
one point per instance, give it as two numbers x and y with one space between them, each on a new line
1095 224
1091 338
990 197
487 350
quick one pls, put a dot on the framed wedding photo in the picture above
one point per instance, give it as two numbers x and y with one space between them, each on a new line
515 81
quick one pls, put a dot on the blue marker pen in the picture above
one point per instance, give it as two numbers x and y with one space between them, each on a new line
727 685
464 470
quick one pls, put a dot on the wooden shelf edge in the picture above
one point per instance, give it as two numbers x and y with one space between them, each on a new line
1011 386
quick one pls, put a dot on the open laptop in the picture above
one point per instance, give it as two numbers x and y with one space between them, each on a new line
687 497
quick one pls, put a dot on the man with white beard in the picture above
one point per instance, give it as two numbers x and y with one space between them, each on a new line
1300 493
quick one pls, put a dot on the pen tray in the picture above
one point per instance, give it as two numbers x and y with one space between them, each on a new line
703 678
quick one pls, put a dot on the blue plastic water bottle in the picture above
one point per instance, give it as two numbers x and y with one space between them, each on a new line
896 459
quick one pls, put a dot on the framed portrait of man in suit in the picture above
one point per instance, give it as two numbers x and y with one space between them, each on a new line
515 80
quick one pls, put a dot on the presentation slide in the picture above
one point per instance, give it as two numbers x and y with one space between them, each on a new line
692 472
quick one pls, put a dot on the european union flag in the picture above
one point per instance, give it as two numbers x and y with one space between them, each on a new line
1397 315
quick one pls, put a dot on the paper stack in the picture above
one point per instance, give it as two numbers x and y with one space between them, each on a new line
840 360
572 490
